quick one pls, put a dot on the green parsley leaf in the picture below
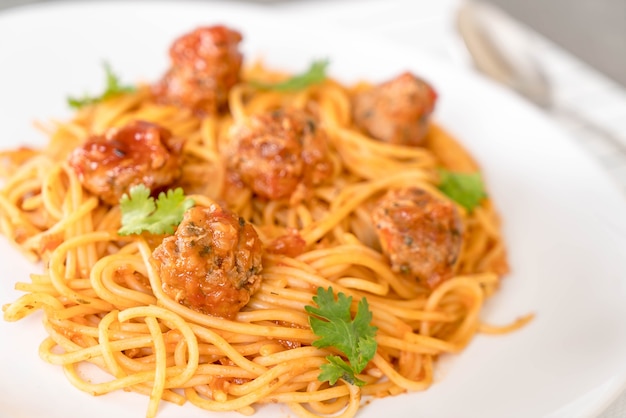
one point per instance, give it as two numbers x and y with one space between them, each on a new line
141 213
314 75
113 88
332 322
337 369
467 189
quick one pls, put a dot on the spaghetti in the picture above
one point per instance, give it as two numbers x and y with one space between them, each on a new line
103 298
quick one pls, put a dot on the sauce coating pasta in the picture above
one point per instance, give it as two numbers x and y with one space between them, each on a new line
292 193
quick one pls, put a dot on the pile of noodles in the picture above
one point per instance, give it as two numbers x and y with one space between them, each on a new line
102 301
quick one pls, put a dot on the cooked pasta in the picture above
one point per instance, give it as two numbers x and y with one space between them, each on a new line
123 302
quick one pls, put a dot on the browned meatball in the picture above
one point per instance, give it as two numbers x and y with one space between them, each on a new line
396 111
419 233
212 262
138 153
279 151
205 66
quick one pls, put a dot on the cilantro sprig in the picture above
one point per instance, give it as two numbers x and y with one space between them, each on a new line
140 212
113 88
332 322
315 74
467 189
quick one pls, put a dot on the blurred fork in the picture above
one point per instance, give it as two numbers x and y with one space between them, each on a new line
500 49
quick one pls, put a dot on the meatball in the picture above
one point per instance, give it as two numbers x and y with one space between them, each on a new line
138 153
279 151
212 262
396 111
420 234
205 65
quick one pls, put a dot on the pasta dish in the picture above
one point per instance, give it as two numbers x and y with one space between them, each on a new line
231 235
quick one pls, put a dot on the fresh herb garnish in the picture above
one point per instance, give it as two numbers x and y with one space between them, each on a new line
467 189
140 212
314 75
332 322
113 88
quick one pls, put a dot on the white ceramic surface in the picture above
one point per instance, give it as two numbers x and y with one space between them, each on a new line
563 218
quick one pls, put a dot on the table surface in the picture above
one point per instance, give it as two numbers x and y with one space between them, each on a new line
602 43
578 86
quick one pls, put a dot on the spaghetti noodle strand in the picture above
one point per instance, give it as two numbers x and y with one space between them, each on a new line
308 173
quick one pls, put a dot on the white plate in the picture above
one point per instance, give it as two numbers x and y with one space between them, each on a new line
565 222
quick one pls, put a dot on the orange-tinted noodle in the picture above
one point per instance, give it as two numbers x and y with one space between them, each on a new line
102 299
